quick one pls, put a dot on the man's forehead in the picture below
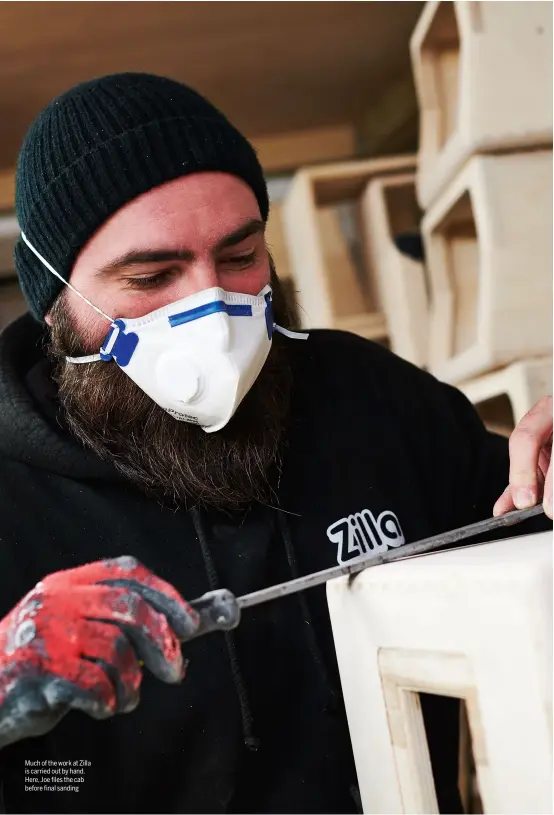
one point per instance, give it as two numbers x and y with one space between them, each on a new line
190 214
218 192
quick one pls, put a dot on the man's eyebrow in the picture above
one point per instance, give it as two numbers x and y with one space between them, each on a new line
137 258
252 227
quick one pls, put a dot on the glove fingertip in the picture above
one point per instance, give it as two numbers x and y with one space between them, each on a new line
183 619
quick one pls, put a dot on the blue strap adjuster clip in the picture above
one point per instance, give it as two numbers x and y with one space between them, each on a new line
122 348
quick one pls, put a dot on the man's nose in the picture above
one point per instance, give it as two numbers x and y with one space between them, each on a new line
199 277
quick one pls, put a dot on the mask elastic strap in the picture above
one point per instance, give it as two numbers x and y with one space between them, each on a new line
65 282
294 335
90 358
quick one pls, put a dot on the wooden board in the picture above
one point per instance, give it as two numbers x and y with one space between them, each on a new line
289 151
483 76
271 67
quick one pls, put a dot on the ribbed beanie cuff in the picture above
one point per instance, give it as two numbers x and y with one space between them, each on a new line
102 144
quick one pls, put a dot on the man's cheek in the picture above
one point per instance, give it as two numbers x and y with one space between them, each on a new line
91 331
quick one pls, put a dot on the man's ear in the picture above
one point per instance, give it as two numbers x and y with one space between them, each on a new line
48 319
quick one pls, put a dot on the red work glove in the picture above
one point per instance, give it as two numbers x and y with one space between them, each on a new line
76 639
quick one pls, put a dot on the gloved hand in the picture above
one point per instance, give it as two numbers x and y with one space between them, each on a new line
76 639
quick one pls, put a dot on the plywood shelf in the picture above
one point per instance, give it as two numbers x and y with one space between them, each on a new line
336 288
502 398
483 77
276 241
389 209
488 248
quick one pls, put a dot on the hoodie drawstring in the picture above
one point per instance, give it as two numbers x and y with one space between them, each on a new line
250 740
313 645
311 638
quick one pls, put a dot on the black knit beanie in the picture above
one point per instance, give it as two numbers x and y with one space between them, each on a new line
98 146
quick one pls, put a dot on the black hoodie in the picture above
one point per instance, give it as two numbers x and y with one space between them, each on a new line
258 725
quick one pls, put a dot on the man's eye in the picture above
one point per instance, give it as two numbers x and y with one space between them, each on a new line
241 260
149 281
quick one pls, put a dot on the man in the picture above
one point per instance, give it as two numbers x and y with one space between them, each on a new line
160 436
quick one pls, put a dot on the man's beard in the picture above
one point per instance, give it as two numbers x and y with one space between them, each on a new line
171 460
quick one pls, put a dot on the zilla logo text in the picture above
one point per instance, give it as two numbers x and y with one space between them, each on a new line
362 534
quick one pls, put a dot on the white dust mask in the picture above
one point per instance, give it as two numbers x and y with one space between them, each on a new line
196 358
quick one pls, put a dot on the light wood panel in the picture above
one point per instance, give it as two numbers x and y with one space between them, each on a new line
288 151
